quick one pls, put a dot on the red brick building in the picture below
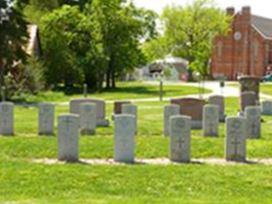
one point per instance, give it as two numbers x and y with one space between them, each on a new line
246 50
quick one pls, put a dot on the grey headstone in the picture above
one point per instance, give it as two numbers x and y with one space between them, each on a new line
220 102
180 138
169 110
6 118
87 118
131 109
267 107
101 121
236 139
68 128
46 118
253 116
124 133
210 120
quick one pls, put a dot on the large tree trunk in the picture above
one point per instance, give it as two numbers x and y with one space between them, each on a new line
113 84
1 73
108 77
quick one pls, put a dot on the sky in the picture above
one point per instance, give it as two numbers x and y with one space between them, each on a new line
258 7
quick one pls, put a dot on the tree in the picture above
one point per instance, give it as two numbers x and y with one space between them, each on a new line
122 26
60 43
190 30
13 35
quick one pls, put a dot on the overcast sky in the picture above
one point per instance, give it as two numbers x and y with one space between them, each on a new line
258 7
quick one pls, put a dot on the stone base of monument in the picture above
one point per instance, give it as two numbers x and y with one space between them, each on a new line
102 123
196 124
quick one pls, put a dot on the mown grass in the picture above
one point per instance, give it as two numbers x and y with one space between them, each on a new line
124 90
23 181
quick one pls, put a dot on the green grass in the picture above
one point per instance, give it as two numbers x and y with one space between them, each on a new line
23 181
132 90
266 88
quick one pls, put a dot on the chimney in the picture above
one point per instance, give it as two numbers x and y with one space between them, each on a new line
230 11
246 10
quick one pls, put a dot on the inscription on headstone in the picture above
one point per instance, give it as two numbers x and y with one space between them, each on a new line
180 138
267 107
6 118
169 110
68 128
253 116
46 119
87 118
220 102
131 109
236 139
124 133
210 120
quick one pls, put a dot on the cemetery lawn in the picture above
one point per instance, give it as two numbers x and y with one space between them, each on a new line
24 181
124 90
266 88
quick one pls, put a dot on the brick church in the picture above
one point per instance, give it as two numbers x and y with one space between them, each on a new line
246 50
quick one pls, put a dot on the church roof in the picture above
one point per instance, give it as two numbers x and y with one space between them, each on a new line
262 25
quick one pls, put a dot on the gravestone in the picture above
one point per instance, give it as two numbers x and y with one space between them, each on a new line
169 110
46 118
236 139
210 120
101 120
124 133
220 102
191 107
250 83
87 118
6 118
266 107
131 109
180 138
253 116
68 128
247 98
118 106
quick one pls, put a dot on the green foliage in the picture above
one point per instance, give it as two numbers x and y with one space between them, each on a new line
156 49
59 40
26 79
190 30
13 37
103 39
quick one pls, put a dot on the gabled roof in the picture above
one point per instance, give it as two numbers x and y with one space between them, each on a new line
262 25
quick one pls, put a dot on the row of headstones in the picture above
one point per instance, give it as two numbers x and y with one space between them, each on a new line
87 117
92 115
210 120
124 138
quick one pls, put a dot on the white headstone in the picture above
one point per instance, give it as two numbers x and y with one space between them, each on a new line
68 128
169 110
131 109
236 139
267 107
46 119
210 120
100 109
220 102
124 133
253 116
87 118
180 138
6 118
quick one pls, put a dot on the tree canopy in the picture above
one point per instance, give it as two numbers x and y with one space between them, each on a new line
189 32
102 40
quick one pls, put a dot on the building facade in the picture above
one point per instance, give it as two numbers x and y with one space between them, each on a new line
246 49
